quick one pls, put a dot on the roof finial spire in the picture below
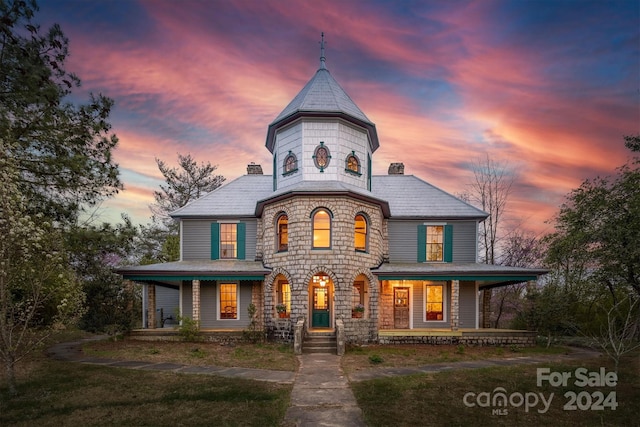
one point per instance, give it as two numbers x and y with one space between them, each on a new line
322 58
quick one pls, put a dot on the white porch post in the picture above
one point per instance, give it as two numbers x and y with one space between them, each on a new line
151 313
195 293
455 304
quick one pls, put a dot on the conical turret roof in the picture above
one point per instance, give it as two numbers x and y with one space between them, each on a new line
322 96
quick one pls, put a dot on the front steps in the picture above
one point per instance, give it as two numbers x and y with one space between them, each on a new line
320 343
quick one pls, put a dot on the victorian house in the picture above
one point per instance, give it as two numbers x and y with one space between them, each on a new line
323 244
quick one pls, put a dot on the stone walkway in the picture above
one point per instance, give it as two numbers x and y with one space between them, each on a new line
321 394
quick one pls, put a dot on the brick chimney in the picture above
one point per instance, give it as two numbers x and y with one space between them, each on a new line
396 169
253 169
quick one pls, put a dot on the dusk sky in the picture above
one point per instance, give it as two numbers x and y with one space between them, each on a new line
549 87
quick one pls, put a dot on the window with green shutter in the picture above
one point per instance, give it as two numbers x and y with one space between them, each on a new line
228 240
435 243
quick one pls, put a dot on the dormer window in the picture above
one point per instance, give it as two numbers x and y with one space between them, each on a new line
352 164
290 164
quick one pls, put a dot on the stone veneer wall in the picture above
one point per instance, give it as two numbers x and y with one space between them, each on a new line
342 263
519 339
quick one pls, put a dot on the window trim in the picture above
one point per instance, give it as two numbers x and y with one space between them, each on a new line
445 299
218 300
313 228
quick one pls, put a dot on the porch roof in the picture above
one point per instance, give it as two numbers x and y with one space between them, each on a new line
195 270
488 276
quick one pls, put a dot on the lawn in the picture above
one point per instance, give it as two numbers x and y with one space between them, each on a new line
55 393
439 399
261 356
64 393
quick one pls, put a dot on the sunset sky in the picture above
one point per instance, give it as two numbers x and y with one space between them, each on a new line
549 87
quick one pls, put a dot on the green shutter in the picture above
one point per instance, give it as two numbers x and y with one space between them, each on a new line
242 238
275 173
448 243
369 174
422 243
215 240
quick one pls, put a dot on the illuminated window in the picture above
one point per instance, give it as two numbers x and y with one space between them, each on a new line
283 233
435 242
321 229
290 164
434 301
361 233
228 301
352 164
228 241
321 157
284 295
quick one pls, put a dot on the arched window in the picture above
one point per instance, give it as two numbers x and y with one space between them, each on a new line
283 233
360 233
290 164
321 229
352 164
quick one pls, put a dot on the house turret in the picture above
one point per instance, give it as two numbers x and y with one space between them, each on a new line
322 135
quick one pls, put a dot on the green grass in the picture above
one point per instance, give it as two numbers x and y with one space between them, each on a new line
437 399
61 393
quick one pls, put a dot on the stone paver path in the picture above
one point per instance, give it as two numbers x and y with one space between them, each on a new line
321 395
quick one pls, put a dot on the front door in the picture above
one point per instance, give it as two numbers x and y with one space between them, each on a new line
401 308
320 313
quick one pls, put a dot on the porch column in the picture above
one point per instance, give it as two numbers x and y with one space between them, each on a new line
151 307
455 304
195 294
486 308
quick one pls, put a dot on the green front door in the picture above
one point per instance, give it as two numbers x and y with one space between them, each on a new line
320 313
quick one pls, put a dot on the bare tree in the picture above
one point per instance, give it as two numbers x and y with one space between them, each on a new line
490 192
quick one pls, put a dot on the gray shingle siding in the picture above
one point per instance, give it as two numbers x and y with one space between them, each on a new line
464 241
196 240
467 305
403 241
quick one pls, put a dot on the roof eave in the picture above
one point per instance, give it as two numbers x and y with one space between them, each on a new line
384 206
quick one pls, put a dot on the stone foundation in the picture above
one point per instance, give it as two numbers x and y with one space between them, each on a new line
518 339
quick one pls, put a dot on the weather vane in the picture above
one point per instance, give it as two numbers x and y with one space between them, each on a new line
322 58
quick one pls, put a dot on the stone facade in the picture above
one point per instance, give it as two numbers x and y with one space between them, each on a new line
341 262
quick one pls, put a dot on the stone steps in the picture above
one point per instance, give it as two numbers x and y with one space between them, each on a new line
320 343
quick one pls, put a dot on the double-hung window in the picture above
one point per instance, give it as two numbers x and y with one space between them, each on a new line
434 301
435 243
228 240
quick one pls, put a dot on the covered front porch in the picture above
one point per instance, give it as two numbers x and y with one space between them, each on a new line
439 303
216 294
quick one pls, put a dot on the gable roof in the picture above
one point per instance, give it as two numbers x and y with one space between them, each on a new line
400 196
322 96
